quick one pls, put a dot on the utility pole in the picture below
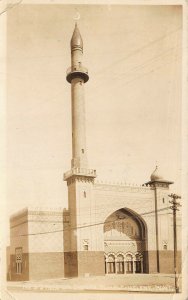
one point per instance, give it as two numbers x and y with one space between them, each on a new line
174 207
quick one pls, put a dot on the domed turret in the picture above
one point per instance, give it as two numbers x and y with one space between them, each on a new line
76 40
157 180
156 175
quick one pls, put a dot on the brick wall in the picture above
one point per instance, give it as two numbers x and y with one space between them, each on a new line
152 262
82 263
166 262
46 265
71 264
91 262
166 259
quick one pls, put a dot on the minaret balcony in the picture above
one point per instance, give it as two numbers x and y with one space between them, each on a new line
77 72
80 172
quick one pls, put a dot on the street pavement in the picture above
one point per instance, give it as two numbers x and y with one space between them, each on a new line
147 283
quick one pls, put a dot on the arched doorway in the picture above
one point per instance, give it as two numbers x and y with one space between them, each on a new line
125 240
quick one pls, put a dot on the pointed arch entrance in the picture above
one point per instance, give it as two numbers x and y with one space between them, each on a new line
125 243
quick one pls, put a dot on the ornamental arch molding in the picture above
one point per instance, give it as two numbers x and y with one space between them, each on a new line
125 242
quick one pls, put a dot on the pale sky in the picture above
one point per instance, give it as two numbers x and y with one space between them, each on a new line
133 97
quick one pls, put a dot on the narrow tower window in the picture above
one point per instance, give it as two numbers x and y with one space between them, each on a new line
86 245
18 254
165 246
82 150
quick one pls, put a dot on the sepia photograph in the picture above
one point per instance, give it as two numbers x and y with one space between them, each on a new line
94 180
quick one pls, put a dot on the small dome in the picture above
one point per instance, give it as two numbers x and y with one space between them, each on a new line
76 40
156 175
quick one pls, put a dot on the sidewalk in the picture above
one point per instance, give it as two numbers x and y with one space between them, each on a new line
151 283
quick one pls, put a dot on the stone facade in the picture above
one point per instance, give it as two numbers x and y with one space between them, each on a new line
39 255
96 203
104 222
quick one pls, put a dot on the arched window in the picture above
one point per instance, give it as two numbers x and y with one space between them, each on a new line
129 263
18 254
138 268
120 264
111 264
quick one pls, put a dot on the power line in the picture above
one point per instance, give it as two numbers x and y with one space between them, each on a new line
10 6
85 226
141 48
144 74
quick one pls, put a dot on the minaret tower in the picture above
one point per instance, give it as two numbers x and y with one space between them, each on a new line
80 179
77 75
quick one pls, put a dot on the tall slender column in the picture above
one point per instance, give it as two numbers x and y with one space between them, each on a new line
77 75
79 158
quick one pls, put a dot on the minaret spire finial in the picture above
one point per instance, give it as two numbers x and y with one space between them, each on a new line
156 164
76 41
76 17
